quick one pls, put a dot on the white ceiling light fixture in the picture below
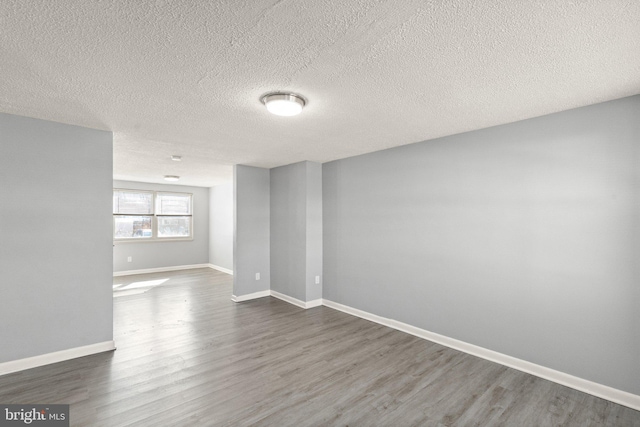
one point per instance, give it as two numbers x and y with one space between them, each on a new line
176 158
171 177
283 104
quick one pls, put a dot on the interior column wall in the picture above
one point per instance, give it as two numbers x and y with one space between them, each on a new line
296 230
251 239
221 226
56 251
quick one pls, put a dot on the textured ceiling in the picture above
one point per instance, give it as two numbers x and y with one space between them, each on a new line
185 77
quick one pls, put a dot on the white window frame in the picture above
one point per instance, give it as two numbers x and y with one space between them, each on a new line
154 219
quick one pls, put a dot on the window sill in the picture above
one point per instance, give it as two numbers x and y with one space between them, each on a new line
154 240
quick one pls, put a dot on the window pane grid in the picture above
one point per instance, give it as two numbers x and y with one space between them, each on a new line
174 226
132 202
173 204
132 227
134 218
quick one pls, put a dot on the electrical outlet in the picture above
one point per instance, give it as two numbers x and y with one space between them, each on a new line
257 276
129 259
317 280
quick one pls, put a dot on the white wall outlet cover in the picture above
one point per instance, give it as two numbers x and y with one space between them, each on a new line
257 276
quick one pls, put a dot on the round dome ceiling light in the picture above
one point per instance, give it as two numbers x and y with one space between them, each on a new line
283 104
171 178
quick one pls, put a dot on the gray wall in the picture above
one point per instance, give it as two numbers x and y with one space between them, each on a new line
288 230
55 223
251 230
167 254
314 230
296 230
221 226
522 238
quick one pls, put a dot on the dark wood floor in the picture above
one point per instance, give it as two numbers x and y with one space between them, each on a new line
188 356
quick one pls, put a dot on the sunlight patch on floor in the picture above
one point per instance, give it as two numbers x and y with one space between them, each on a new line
121 290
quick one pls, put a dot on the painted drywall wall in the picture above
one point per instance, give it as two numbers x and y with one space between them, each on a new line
251 252
296 230
288 230
55 223
313 230
221 226
521 238
145 255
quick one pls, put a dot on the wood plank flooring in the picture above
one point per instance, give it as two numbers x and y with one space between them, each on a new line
188 356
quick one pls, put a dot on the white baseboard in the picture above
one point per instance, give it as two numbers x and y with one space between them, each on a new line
609 393
160 269
283 297
314 303
58 356
248 297
217 267
290 300
296 301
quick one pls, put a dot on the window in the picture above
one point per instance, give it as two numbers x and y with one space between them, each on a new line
174 214
151 215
